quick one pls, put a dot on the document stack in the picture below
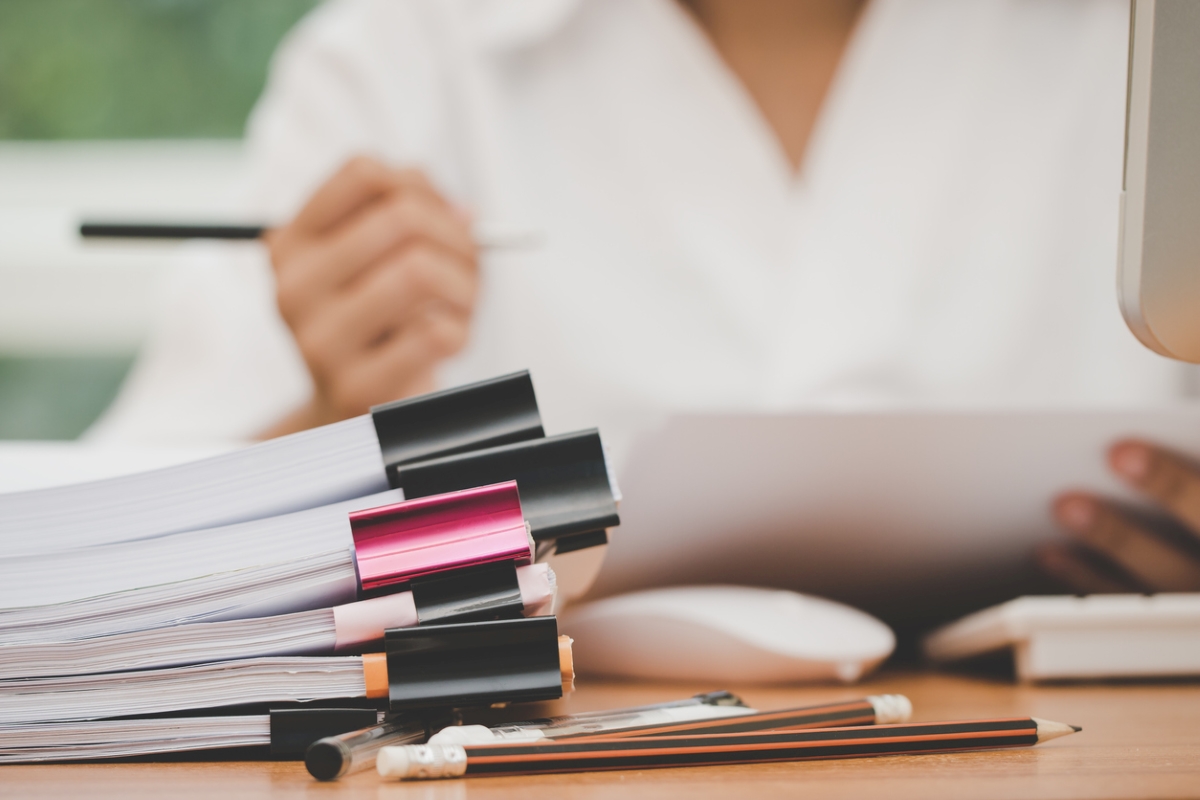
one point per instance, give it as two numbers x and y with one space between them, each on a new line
407 561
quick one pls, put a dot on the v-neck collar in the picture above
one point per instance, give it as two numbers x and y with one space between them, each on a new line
703 51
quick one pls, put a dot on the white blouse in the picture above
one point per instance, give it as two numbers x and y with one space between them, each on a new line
950 239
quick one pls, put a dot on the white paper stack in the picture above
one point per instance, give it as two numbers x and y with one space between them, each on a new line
232 580
315 581
315 632
313 468
159 691
307 632
60 577
119 738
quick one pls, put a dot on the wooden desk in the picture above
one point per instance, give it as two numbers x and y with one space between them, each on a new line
1138 741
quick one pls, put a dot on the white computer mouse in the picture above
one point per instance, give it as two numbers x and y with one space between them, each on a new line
725 634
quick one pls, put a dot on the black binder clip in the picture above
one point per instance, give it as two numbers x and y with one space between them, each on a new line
485 414
472 594
294 729
563 481
474 663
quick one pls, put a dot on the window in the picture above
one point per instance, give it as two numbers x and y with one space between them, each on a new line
84 86
135 69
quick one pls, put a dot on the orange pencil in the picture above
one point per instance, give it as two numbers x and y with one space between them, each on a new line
876 709
447 761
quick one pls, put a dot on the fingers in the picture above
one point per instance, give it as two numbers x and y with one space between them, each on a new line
391 369
1078 573
385 300
1112 534
377 278
386 228
357 183
1165 477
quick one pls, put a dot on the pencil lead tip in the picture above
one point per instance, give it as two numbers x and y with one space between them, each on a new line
1076 728
1047 730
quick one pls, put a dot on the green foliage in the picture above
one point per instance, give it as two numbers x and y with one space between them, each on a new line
104 69
56 397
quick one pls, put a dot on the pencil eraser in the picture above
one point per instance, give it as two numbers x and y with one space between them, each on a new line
416 761
891 708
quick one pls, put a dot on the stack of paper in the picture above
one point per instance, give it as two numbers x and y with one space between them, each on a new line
313 468
222 683
255 578
321 630
119 738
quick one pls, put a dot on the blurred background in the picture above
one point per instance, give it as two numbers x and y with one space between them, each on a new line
109 109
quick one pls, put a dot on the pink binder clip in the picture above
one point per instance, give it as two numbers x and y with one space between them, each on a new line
396 543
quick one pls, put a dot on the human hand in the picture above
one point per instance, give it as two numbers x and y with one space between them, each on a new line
376 277
1117 550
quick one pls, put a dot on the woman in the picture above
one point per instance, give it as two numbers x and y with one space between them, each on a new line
738 203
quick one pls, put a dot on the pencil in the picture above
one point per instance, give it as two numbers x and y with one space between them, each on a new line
881 709
487 237
446 761
336 756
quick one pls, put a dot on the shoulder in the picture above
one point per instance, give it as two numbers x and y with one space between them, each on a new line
391 78
353 77
433 29
360 35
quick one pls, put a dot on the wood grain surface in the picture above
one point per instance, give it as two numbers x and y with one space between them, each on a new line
1138 740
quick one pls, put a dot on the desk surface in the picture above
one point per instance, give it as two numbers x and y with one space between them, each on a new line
1138 741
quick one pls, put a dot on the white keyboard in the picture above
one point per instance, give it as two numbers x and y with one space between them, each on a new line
1099 636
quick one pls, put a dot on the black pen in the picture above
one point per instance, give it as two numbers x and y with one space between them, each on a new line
487 237
334 756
